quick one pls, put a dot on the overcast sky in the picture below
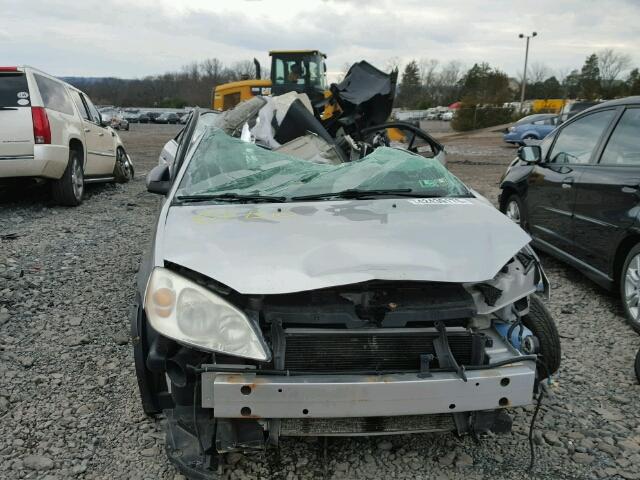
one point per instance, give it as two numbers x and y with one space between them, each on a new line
134 38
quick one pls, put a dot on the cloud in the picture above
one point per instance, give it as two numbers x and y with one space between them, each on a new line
131 39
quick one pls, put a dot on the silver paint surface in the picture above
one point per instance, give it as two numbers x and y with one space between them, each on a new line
288 247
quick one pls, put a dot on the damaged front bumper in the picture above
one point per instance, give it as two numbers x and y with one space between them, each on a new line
240 407
266 396
243 409
330 396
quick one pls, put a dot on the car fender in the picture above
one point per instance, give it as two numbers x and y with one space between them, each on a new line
627 238
530 131
75 133
117 141
515 179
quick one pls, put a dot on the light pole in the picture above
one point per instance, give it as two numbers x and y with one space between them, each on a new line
526 59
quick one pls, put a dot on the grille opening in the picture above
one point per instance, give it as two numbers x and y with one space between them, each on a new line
366 425
344 351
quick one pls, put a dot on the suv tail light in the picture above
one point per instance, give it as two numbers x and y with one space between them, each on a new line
41 127
8 69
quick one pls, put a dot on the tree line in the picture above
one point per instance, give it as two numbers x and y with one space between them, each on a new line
425 85
192 85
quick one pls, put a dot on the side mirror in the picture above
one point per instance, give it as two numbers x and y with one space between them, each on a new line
103 123
159 180
530 153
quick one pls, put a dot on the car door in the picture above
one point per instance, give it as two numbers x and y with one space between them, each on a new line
608 195
101 155
551 194
546 126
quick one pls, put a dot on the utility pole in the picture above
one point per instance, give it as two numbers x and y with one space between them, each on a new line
524 75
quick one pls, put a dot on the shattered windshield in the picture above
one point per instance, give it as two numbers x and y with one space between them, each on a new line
223 165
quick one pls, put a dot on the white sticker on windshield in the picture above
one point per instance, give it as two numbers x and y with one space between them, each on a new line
440 201
23 101
23 94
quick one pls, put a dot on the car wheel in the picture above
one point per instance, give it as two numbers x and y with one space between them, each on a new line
630 287
541 324
69 189
123 170
515 210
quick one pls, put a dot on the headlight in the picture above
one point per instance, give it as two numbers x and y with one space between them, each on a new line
512 129
190 314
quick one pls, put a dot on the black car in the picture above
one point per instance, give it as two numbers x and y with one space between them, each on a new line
167 117
144 118
153 116
578 195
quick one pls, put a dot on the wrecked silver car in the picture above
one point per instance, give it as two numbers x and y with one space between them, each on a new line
288 294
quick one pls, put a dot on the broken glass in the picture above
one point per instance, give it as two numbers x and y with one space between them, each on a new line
222 164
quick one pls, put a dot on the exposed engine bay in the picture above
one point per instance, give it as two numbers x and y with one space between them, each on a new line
379 357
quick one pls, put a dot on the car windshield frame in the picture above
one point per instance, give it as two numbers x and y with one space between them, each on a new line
281 175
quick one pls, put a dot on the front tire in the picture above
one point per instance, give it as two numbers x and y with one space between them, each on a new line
69 189
541 324
123 170
630 287
515 210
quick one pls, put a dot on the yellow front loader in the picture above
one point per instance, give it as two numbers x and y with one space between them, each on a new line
302 71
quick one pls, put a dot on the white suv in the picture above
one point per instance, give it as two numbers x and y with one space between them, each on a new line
51 130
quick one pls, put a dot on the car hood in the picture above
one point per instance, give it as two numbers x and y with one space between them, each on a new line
284 248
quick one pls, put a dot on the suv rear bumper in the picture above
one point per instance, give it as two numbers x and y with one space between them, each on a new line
48 161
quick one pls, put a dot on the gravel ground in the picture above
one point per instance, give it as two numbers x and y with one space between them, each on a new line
68 395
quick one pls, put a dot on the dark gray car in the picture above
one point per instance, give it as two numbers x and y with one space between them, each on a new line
288 295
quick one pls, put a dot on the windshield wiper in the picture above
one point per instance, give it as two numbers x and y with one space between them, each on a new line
354 193
229 197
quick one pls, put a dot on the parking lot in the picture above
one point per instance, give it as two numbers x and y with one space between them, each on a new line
69 403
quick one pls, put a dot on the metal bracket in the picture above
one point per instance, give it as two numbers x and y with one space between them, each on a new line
278 341
443 351
425 365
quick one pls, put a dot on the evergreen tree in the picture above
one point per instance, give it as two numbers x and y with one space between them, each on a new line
571 84
590 78
410 86
483 85
633 82
484 91
551 88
